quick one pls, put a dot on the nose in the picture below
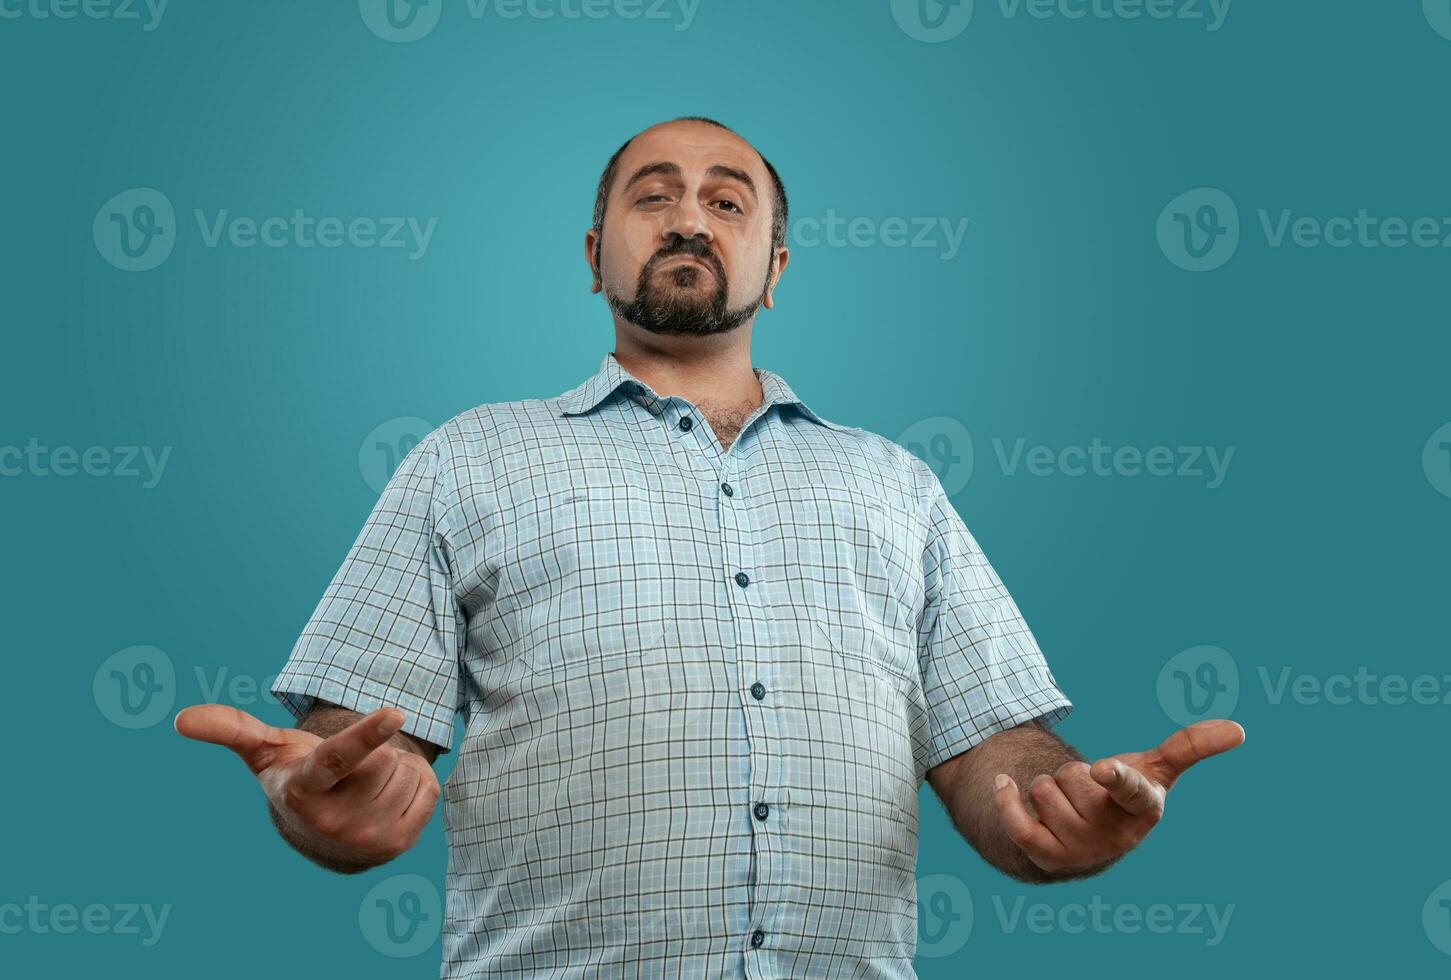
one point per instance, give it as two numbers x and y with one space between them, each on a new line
687 219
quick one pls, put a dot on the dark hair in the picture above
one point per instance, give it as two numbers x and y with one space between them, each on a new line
607 181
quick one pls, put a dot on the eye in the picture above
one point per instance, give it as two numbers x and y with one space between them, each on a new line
652 197
731 204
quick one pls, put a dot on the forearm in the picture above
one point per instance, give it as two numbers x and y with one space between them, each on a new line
326 719
965 785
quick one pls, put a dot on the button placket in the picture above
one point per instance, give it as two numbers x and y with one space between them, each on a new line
762 735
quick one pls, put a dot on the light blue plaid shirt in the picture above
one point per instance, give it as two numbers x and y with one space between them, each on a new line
701 687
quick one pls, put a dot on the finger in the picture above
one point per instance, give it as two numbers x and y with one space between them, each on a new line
1198 742
337 755
1054 809
397 791
1130 789
1088 799
425 798
1022 828
222 724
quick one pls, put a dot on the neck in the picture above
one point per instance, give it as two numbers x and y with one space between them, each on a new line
704 370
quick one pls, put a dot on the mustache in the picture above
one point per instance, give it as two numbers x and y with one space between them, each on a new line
689 246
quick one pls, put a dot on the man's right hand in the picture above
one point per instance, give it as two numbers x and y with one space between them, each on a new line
356 799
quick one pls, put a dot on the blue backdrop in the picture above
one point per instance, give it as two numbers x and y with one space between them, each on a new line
1159 287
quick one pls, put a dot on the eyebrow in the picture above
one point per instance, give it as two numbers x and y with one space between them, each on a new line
718 171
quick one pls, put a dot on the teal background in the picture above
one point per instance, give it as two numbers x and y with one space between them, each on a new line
1060 321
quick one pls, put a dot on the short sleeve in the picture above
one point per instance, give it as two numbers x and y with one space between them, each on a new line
387 631
982 671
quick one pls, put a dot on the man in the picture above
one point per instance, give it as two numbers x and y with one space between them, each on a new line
706 643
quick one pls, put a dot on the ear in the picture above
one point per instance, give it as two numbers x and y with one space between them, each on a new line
783 255
590 240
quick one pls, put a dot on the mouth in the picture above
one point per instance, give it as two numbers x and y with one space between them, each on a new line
675 260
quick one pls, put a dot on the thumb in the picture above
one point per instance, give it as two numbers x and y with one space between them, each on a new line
1197 742
222 724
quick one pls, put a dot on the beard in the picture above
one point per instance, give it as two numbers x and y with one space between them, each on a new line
678 301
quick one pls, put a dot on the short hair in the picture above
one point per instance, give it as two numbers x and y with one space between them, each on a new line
779 212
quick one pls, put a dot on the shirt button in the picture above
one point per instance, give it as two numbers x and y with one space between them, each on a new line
757 938
758 690
686 423
727 489
742 579
761 810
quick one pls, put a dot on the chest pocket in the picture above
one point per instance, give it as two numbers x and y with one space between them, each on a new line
603 592
863 593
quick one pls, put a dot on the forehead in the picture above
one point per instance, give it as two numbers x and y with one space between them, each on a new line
694 147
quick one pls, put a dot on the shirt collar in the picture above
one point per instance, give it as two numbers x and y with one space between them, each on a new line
612 375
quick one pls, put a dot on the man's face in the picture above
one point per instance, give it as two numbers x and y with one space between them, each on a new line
686 247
